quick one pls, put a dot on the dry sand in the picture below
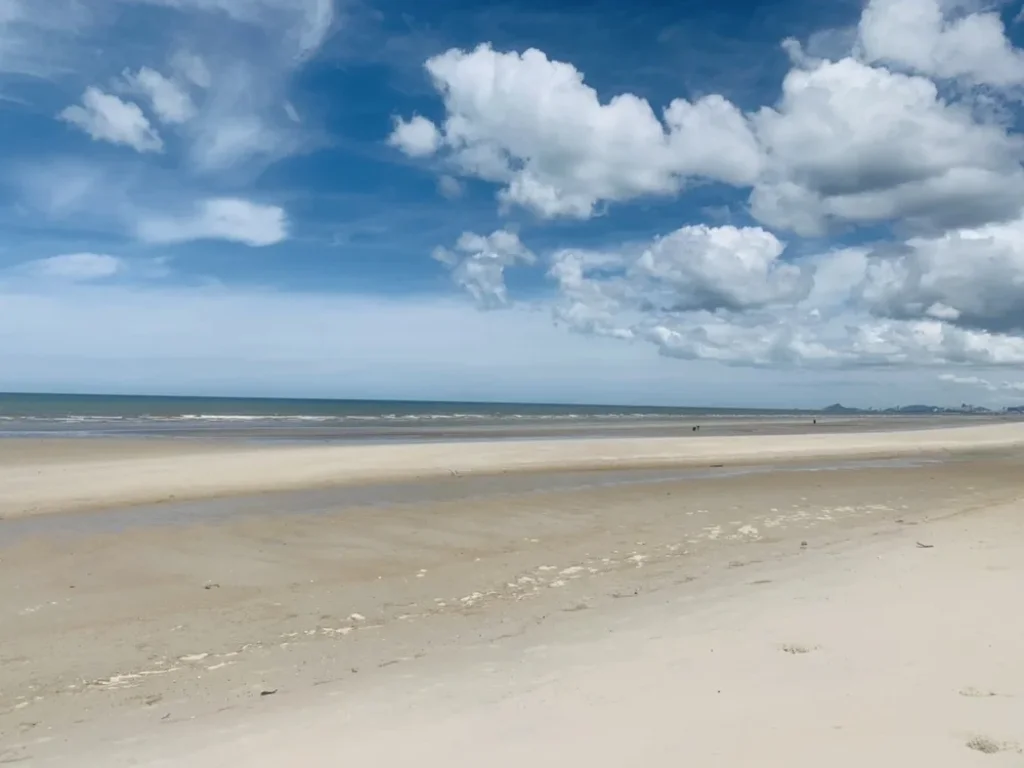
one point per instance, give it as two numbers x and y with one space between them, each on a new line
889 654
33 480
786 618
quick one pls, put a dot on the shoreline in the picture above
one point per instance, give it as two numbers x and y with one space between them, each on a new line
372 430
103 474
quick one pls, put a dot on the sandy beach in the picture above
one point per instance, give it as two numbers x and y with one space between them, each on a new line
828 600
39 476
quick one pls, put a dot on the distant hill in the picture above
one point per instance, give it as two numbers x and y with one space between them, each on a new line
916 410
837 408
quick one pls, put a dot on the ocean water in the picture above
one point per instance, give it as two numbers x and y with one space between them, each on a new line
301 419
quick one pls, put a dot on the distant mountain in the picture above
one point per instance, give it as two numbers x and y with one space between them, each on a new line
913 409
920 409
837 408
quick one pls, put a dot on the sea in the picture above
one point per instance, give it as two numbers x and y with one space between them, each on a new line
325 420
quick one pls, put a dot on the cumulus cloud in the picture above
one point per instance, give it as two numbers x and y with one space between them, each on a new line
924 36
694 269
106 117
240 221
477 264
536 128
417 137
731 295
968 277
171 102
873 137
851 143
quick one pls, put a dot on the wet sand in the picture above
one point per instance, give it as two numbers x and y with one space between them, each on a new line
40 476
616 618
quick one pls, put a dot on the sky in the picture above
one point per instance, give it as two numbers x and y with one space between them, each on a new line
782 204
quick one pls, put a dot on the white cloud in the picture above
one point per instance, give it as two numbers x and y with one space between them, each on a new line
233 219
449 187
240 122
106 117
242 54
73 267
922 36
700 267
696 269
532 125
847 143
171 102
969 277
850 143
478 263
417 137
986 384
729 295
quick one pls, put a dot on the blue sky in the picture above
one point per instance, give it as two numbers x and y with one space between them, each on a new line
781 204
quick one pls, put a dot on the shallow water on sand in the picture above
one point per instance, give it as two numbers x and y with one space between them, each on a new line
333 500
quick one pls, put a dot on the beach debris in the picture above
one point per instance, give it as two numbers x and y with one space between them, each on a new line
211 585
925 546
268 691
356 617
974 693
986 745
796 649
620 595
803 545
